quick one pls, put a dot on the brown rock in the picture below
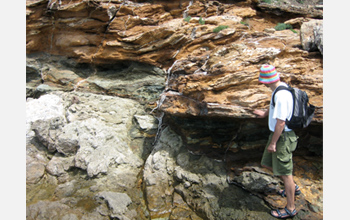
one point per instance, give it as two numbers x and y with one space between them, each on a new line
225 81
34 172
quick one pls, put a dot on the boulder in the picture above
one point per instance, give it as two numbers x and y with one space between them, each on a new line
118 204
318 33
311 35
310 8
34 172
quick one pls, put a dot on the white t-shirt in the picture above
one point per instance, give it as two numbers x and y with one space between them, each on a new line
283 108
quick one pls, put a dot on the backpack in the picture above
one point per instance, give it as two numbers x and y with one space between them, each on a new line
303 111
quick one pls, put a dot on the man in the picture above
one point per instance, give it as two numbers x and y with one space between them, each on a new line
282 141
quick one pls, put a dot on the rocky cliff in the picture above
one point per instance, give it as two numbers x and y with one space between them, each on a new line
143 109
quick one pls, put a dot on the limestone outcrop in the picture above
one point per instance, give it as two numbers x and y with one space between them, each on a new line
99 157
143 109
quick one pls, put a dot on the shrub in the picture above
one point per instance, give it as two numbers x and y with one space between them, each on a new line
201 21
219 28
270 1
283 26
188 18
244 23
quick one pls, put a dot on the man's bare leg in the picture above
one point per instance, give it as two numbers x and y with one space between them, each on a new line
290 192
270 168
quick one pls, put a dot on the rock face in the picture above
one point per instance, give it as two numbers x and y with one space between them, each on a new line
307 8
92 134
105 177
312 35
143 109
205 68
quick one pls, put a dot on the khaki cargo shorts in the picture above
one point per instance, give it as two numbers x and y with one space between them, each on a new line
281 160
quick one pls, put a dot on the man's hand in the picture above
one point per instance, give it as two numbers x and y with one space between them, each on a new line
271 148
261 114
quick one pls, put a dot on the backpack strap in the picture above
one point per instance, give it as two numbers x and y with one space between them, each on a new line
282 88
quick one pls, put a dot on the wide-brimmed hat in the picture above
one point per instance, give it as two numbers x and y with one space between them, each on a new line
268 74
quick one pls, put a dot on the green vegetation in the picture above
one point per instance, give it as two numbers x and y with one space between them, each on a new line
283 26
271 1
201 21
187 19
219 28
244 23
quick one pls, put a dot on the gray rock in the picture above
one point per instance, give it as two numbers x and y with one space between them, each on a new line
117 202
85 135
318 32
306 8
70 217
100 147
311 35
60 209
146 122
47 107
65 190
43 210
58 165
97 142
34 172
158 173
255 182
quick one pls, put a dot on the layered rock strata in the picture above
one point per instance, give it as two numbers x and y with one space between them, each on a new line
143 110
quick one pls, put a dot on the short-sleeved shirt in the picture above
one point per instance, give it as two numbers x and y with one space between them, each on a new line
283 108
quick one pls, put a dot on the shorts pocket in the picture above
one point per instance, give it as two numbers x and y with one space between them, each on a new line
293 143
283 154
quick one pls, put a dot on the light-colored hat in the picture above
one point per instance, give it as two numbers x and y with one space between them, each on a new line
268 74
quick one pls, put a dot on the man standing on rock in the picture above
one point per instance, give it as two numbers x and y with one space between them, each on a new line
282 141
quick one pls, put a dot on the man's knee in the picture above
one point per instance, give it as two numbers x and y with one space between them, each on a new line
287 177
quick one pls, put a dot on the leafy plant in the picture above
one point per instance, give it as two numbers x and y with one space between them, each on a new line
219 28
187 19
270 1
283 26
244 23
201 21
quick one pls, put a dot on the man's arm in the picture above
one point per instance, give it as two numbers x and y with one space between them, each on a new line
276 135
261 114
